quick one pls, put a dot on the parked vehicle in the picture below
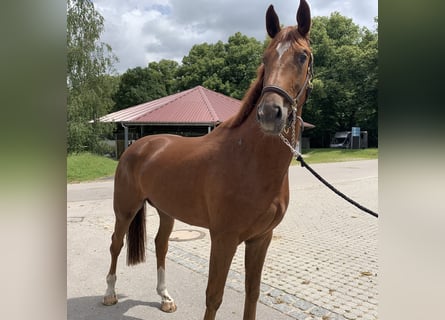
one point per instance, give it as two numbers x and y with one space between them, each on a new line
341 140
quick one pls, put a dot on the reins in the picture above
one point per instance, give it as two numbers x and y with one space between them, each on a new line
292 146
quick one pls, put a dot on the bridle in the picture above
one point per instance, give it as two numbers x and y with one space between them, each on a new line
291 122
292 118
306 86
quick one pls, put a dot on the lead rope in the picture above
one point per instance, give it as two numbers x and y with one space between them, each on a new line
299 158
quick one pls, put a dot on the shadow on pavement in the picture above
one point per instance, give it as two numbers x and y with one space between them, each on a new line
87 308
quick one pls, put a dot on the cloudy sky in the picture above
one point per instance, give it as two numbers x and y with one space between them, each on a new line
141 31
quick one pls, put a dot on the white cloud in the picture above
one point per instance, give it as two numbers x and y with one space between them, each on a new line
150 30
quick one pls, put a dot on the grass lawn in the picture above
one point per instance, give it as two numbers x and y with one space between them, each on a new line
337 155
87 166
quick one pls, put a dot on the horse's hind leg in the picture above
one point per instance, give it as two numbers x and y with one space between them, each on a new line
117 241
161 241
134 224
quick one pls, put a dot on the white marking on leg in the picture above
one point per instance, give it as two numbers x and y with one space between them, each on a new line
161 288
282 48
111 281
110 297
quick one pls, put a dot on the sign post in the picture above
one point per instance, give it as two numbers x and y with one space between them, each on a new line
355 138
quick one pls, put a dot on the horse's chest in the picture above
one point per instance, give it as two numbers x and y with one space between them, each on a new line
273 215
249 216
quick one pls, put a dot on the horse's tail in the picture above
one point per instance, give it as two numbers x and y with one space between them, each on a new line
136 239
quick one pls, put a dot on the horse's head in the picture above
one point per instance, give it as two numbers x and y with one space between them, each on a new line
287 70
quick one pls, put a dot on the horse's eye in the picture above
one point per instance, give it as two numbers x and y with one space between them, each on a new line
302 58
263 59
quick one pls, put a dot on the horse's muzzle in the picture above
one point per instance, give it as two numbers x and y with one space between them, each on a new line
271 116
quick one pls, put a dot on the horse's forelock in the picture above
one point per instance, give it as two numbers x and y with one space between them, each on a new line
291 34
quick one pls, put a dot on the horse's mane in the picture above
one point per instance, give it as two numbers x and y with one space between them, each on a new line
250 99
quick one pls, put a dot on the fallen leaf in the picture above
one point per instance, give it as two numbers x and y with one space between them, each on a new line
278 300
366 273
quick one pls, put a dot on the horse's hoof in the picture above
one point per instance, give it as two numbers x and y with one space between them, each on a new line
109 300
168 306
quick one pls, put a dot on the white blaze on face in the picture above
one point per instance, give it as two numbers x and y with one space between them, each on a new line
282 48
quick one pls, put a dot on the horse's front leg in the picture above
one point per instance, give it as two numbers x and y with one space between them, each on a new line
161 242
222 251
254 259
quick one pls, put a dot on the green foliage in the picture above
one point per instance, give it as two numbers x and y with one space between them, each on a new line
89 85
202 67
345 85
228 68
139 85
243 58
86 166
167 69
345 80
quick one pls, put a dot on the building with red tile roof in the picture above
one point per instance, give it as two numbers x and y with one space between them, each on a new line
192 112
196 106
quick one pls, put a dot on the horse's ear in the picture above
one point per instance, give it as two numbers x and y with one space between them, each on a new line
304 18
272 22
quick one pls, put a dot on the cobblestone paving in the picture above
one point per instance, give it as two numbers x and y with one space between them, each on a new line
321 264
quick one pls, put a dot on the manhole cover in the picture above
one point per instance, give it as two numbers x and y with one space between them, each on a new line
186 235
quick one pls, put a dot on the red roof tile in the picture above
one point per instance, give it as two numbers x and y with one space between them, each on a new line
196 105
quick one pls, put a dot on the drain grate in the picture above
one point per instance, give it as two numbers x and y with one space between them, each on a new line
186 235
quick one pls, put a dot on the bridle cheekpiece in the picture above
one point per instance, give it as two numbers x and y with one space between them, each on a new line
292 118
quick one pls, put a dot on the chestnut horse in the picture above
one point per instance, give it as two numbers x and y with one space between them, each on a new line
233 181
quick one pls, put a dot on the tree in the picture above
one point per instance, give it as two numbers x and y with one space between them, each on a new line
228 68
168 70
89 88
242 60
202 67
136 86
139 85
345 84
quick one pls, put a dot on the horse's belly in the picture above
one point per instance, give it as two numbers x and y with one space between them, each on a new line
170 178
184 211
178 197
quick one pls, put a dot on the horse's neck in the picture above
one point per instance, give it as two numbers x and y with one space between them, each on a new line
268 152
266 146
249 101
252 151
